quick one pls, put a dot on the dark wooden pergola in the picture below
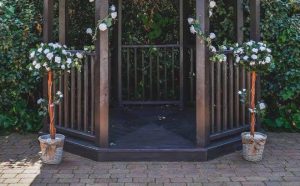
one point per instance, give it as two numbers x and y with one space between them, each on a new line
220 118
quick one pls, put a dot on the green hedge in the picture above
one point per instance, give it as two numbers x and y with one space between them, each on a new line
281 87
19 31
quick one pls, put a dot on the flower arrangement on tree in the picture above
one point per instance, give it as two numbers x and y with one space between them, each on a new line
51 59
255 57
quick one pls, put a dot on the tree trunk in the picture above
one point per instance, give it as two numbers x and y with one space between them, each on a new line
51 105
252 105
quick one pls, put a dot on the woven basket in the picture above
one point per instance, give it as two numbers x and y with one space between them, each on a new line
253 147
52 149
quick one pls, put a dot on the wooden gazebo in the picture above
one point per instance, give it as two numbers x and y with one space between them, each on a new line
84 116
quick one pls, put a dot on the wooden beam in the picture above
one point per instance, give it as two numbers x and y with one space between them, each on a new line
202 78
120 52
255 35
102 79
239 21
47 33
63 21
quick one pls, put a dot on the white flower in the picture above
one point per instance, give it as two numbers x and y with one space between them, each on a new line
103 27
46 51
255 50
79 55
37 66
249 43
40 101
114 15
269 50
113 8
212 4
40 50
237 59
48 69
30 68
64 52
245 58
58 93
212 49
268 59
57 59
239 92
244 90
190 20
49 56
63 67
212 35
34 62
223 47
252 63
262 106
192 30
254 56
91 1
69 60
210 13
262 48
32 54
89 31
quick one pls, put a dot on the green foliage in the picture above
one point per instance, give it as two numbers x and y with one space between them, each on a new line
19 30
281 87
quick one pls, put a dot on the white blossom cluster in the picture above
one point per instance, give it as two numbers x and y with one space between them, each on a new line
53 57
251 54
44 103
105 23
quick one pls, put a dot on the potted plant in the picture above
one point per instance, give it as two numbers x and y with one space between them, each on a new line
51 59
255 57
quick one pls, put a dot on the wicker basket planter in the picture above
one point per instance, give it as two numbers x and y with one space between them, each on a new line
52 149
253 148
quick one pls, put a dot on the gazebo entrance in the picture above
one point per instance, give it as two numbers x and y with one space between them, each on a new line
152 100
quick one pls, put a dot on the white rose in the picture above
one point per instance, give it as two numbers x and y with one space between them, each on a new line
210 13
255 50
103 27
245 58
212 35
262 48
190 20
32 54
40 50
37 66
63 67
268 59
254 56
69 60
91 1
89 31
212 4
262 106
79 55
114 15
223 47
57 59
46 51
212 49
64 52
39 101
49 56
237 59
239 92
34 62
192 30
269 50
113 8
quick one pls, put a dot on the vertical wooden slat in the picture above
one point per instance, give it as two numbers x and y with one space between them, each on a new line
72 98
143 74
151 76
166 75
202 79
231 92
173 71
85 95
128 73
218 97
120 2
92 61
181 51
192 74
101 78
135 72
55 90
79 102
66 99
242 106
236 96
225 96
213 96
158 77
47 37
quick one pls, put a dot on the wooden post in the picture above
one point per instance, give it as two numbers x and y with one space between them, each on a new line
181 51
47 33
120 52
101 79
202 78
255 35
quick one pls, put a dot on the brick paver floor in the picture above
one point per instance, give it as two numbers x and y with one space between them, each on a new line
20 165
